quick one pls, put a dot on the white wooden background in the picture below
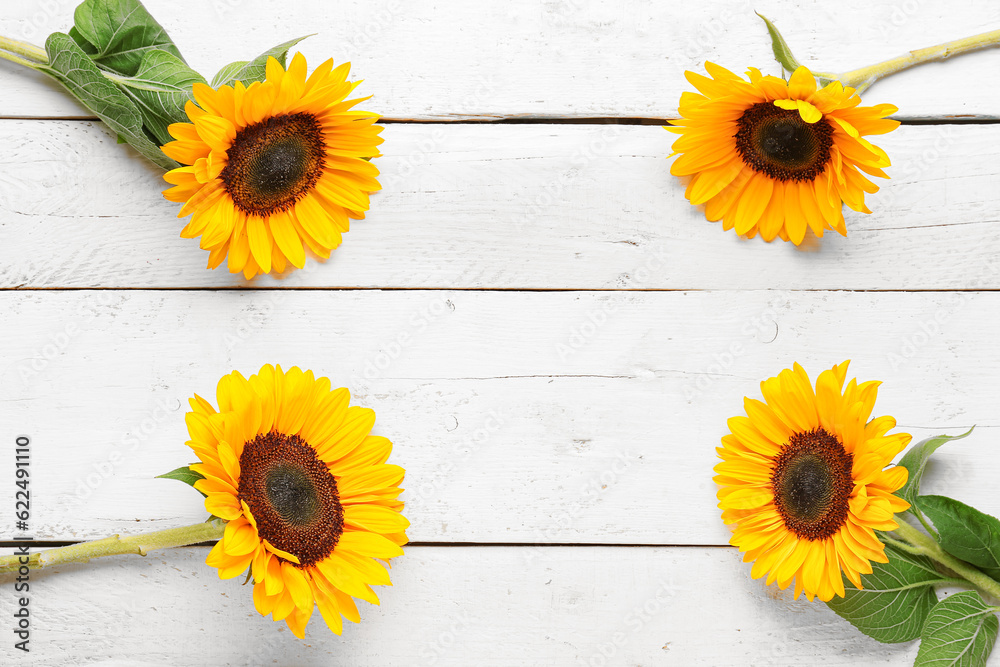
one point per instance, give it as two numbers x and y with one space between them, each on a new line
558 470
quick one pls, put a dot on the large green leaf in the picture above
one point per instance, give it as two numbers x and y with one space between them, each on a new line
896 598
960 632
116 34
185 475
229 74
965 532
82 78
254 70
160 88
782 52
915 462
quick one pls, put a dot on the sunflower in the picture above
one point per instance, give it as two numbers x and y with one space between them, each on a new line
308 496
803 481
774 157
273 165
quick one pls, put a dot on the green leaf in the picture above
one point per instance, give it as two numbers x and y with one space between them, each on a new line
160 88
117 34
960 632
255 70
185 475
229 73
915 461
896 598
965 532
76 71
782 53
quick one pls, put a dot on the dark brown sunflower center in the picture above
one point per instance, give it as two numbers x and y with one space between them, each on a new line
274 162
812 484
292 496
777 142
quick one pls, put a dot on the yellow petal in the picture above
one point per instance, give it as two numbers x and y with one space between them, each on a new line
223 505
297 585
807 111
368 544
260 242
801 84
375 519
240 537
286 238
297 621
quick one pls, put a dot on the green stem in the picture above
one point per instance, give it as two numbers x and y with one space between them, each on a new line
863 77
20 61
923 545
115 546
903 546
131 82
924 522
30 55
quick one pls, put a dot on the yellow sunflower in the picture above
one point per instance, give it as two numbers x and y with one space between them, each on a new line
308 496
774 157
273 166
803 481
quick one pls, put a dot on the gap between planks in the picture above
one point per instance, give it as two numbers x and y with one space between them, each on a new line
446 288
571 545
570 120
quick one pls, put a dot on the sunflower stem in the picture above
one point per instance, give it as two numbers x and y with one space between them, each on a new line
862 78
115 546
922 544
903 546
31 55
925 523
20 61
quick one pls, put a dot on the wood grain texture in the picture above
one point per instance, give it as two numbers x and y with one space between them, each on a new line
530 417
434 59
508 207
586 606
551 336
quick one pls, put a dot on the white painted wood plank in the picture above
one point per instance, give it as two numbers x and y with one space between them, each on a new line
452 606
517 417
452 59
508 206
